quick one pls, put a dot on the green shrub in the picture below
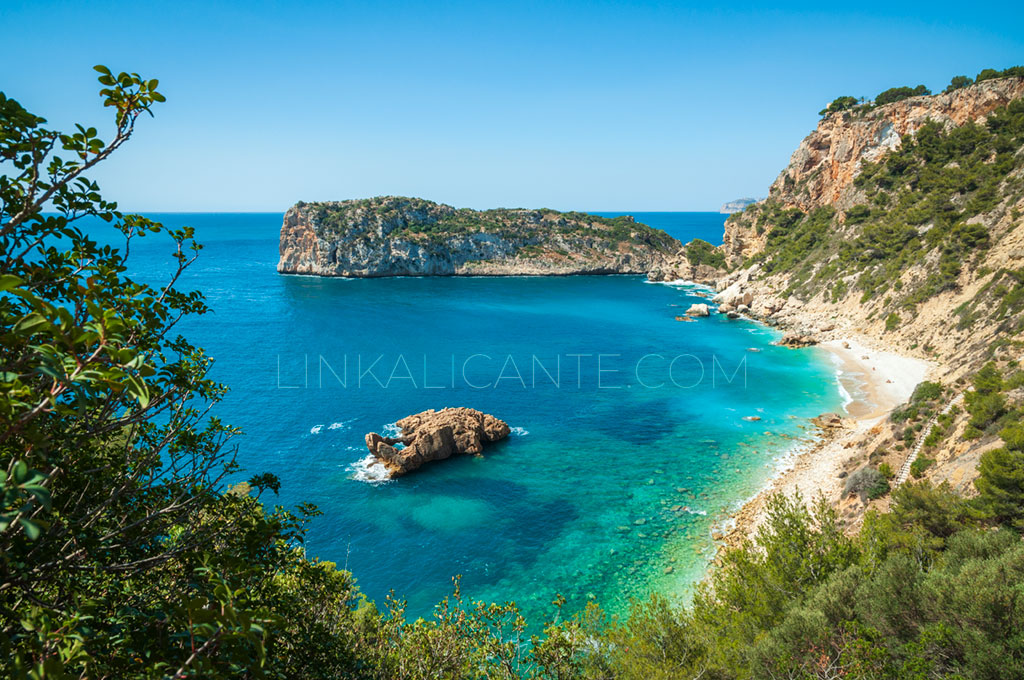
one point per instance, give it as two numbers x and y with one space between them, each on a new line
886 470
988 379
920 464
958 82
839 104
892 321
985 408
991 73
895 94
858 214
700 252
1000 486
1013 435
868 483
926 391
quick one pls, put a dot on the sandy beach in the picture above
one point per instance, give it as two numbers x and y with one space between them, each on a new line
877 382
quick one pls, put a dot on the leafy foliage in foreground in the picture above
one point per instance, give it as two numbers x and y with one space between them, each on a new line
921 592
123 557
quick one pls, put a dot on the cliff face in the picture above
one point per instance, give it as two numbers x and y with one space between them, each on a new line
822 170
903 223
395 236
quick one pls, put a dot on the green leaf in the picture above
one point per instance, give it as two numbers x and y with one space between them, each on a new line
8 281
32 529
30 323
137 388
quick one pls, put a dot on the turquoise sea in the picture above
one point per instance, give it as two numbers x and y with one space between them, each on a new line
629 431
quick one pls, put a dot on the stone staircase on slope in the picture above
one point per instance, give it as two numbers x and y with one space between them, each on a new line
905 469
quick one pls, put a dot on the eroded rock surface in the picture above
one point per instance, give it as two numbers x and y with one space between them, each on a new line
435 435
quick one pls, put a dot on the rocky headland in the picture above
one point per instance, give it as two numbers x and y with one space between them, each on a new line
397 236
895 240
435 435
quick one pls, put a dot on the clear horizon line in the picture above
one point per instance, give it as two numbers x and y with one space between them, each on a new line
281 212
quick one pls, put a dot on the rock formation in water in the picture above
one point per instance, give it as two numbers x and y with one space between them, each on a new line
435 435
396 236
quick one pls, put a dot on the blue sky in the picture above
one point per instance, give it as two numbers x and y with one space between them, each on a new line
569 105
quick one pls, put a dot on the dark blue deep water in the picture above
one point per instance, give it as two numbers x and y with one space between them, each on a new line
629 431
684 226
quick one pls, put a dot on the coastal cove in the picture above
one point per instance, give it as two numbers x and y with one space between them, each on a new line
606 489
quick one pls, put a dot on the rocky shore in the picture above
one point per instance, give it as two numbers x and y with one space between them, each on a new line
881 380
782 263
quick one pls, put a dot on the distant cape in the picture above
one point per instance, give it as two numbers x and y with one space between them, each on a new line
738 205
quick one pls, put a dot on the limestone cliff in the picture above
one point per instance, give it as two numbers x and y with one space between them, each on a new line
822 170
396 236
901 222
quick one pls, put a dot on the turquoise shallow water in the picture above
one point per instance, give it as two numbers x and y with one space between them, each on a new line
620 459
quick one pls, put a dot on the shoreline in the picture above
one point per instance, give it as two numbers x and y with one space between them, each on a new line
877 381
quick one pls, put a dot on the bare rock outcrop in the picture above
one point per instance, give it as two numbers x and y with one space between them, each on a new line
795 340
435 435
680 268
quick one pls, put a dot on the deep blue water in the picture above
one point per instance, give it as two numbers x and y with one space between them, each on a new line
684 226
620 461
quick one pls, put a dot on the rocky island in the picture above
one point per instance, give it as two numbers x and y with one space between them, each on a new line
435 435
397 236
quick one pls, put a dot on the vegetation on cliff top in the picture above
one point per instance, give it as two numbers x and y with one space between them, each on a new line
418 219
895 94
